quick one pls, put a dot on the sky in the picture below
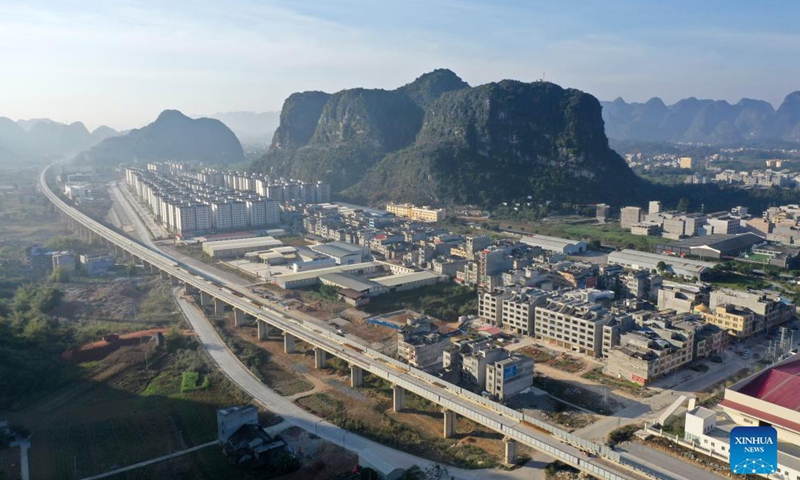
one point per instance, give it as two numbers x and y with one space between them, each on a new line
120 63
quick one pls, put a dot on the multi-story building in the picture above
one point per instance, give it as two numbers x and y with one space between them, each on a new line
629 216
661 344
770 310
184 219
738 322
646 229
681 297
509 376
221 214
420 344
202 217
603 212
511 309
640 284
680 226
724 224
422 214
472 358
581 326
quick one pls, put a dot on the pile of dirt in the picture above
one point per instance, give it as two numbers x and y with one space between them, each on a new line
102 348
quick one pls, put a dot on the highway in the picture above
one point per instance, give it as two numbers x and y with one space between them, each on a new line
515 426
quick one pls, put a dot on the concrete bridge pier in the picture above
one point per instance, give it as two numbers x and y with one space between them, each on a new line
164 275
356 376
238 317
263 329
511 448
189 289
449 423
320 357
205 299
398 398
289 343
219 307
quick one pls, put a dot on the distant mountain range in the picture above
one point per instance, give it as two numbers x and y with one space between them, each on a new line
249 127
172 136
439 140
43 137
704 121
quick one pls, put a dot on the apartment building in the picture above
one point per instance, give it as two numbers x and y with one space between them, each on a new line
511 309
421 214
473 357
676 227
420 344
738 322
581 326
681 297
630 216
221 215
656 347
770 310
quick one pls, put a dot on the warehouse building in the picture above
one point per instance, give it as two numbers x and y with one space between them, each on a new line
555 244
682 267
712 246
312 277
342 253
409 281
237 248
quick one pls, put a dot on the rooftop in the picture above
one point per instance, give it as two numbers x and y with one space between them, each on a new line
777 385
243 243
395 280
721 243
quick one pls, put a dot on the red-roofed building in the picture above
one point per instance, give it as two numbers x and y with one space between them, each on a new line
770 397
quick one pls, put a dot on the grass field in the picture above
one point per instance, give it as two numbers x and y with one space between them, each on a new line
737 281
581 228
132 416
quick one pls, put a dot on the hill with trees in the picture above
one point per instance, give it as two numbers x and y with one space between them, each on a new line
172 136
438 140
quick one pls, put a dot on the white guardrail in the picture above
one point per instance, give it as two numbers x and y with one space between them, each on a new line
443 393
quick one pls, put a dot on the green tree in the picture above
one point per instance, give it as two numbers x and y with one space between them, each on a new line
174 339
683 205
661 266
59 275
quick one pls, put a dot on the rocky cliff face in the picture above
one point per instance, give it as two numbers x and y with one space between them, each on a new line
438 140
172 136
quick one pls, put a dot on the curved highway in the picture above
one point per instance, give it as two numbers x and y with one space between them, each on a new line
593 458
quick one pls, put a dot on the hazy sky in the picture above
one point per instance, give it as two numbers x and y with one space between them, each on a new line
120 63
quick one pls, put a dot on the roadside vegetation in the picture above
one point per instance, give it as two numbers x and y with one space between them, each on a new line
617 383
399 435
446 301
622 434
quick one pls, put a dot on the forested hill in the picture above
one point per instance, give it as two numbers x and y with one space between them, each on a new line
438 140
172 136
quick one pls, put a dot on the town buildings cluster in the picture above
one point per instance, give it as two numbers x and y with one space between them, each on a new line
758 178
189 203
